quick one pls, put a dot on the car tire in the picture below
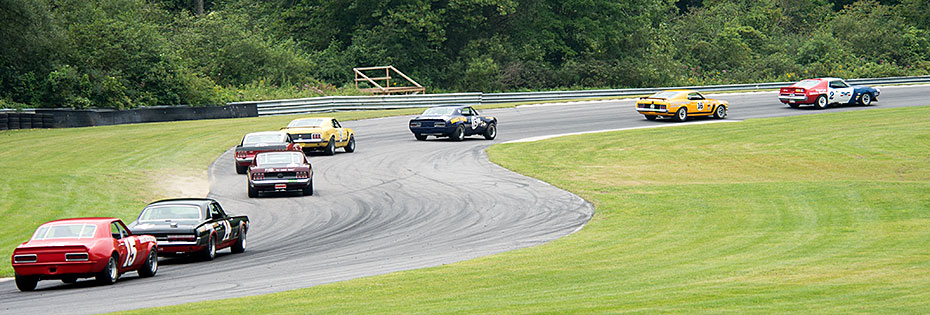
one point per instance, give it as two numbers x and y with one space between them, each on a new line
720 112
150 267
253 193
69 280
794 105
681 114
239 246
331 147
458 134
110 272
420 137
651 117
350 147
866 99
308 191
822 102
26 283
491 131
241 169
209 253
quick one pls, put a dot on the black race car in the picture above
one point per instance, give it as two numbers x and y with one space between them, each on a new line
454 122
192 226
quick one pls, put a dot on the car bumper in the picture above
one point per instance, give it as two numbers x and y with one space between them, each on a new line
244 162
176 248
433 131
59 269
795 99
313 144
280 184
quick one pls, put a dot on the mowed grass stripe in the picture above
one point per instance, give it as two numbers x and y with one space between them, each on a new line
818 214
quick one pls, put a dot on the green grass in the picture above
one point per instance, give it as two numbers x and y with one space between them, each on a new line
816 214
111 170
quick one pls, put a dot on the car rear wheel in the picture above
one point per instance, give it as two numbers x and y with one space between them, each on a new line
151 264
210 252
331 147
239 246
793 105
682 114
866 99
350 147
110 273
491 132
253 193
721 112
420 137
651 117
458 134
308 191
26 283
241 169
822 102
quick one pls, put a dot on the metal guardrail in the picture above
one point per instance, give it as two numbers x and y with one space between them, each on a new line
344 103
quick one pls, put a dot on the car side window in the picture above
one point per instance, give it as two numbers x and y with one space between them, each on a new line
218 209
214 213
336 124
466 111
838 84
115 231
695 96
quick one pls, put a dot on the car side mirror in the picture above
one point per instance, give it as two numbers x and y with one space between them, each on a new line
116 235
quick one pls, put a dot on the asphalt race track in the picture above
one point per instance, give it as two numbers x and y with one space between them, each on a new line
395 204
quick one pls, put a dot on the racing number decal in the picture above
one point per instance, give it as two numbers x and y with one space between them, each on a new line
226 230
474 122
131 249
700 105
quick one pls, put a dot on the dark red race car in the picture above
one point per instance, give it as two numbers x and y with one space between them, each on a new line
280 171
258 142
69 249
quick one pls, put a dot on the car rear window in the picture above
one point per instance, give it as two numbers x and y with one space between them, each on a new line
666 94
277 158
60 231
807 84
312 122
172 212
438 111
265 138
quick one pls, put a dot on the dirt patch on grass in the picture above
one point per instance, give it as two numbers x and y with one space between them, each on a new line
178 184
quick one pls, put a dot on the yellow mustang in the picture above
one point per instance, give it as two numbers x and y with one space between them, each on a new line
680 104
321 133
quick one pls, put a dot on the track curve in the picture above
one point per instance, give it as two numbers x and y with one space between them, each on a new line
395 204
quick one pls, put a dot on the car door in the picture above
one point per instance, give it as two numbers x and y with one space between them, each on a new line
840 92
339 131
231 227
697 103
128 247
472 121
220 224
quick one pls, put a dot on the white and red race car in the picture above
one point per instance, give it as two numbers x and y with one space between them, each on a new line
825 91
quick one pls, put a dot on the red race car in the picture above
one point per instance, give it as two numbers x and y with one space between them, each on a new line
258 142
82 248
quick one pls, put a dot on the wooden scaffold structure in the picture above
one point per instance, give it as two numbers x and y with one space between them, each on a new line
386 89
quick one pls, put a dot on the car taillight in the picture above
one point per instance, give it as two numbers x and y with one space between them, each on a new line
258 176
28 258
317 136
76 257
415 124
182 238
799 90
303 174
662 106
240 154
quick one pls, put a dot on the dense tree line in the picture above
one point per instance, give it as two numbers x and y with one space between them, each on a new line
129 53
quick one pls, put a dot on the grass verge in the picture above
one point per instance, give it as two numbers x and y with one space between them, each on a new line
817 214
112 170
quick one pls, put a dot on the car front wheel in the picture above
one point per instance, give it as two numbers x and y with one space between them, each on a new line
490 132
721 112
350 147
239 246
866 99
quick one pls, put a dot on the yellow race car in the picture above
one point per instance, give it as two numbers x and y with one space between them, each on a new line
321 134
680 104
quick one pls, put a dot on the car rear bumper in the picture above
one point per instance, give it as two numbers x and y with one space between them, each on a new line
280 184
433 131
58 269
312 144
796 99
244 162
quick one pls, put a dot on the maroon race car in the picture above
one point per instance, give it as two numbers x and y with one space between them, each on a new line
280 171
258 142
82 248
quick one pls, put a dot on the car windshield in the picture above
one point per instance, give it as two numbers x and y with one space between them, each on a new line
806 84
666 94
173 212
438 111
59 231
277 158
310 122
263 138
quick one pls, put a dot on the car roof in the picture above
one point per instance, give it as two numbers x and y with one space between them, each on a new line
266 133
681 90
201 202
94 220
830 78
306 118
453 106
